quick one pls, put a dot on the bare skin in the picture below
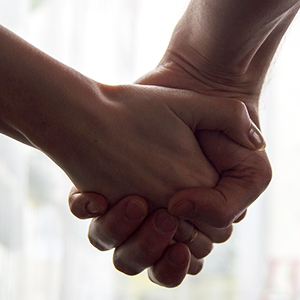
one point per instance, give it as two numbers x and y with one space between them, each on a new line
117 140
222 49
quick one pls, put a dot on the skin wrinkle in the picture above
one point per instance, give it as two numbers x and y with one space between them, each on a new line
187 72
208 86
222 80
206 80
261 18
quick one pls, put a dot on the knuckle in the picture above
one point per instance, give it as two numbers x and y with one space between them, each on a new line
241 113
195 266
141 256
223 235
260 172
125 265
238 108
97 239
165 278
97 244
77 206
223 218
205 249
149 252
238 116
267 173
107 232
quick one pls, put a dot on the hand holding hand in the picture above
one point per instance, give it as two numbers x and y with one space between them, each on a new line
145 242
151 242
140 241
141 140
244 174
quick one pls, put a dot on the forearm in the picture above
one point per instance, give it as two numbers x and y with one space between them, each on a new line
86 128
35 92
230 33
224 48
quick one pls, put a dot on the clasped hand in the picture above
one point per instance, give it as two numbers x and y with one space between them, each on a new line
148 147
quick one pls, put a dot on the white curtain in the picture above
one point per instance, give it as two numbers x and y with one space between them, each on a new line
44 252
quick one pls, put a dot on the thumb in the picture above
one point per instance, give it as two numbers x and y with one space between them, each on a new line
228 115
226 203
86 205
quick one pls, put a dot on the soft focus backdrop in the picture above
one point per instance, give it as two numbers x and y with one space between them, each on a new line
44 251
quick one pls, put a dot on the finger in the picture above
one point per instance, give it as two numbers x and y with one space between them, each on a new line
199 244
217 235
119 223
172 267
241 217
196 266
228 115
221 206
186 232
147 244
245 174
86 205
208 205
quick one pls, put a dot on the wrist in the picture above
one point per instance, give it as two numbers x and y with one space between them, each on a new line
208 55
226 36
175 72
39 96
63 118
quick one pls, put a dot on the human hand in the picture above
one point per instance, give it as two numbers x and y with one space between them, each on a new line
105 235
149 240
47 105
141 241
244 174
125 151
45 101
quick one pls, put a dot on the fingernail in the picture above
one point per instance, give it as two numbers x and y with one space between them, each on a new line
184 208
177 256
133 210
93 209
165 222
256 138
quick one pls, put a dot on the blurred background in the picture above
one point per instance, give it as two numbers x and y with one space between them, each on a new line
44 251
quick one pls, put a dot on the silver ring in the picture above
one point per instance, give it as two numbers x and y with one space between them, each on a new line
193 237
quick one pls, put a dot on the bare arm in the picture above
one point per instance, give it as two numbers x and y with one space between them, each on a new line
35 91
99 134
229 33
109 139
225 47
